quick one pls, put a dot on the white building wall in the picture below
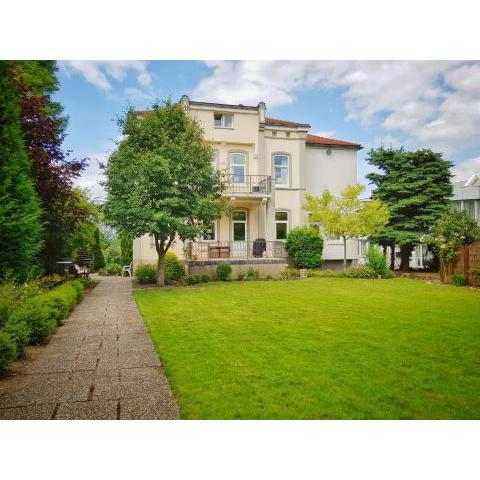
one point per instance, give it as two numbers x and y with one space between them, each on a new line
333 172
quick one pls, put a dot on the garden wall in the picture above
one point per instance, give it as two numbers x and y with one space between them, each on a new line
263 266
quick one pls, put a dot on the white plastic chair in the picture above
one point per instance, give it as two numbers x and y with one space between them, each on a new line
127 269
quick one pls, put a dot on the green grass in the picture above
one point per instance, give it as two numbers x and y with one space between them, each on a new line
321 348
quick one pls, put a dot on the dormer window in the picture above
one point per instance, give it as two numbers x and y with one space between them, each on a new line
223 120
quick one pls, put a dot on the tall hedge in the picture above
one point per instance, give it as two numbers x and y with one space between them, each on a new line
126 247
98 258
305 246
20 212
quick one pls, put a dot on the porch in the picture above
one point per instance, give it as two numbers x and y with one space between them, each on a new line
235 250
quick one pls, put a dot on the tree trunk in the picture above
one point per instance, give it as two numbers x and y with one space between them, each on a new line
161 270
392 256
405 251
344 254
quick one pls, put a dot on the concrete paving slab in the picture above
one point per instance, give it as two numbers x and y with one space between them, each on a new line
100 364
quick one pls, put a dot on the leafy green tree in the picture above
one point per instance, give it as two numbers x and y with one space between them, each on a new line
346 216
98 259
453 230
160 181
20 212
416 188
82 236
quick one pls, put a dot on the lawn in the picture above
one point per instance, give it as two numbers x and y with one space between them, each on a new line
323 348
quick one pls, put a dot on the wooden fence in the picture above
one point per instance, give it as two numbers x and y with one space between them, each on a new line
467 263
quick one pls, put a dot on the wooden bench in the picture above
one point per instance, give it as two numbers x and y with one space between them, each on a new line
215 251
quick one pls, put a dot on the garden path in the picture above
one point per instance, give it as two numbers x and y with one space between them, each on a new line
100 364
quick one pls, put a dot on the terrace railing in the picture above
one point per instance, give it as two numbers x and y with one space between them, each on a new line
261 184
210 250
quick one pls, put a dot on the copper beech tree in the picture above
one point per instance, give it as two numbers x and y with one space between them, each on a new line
160 181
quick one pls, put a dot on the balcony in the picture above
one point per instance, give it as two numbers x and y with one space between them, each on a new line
242 250
248 184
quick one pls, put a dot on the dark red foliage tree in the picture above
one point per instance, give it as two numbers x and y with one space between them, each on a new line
53 170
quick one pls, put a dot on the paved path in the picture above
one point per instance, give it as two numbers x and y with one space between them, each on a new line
99 365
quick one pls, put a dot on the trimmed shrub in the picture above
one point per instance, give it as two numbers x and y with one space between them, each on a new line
289 273
192 280
111 269
146 274
9 293
458 280
389 274
305 247
62 300
174 270
224 271
8 350
269 277
252 274
241 276
205 278
377 260
40 319
37 317
19 333
362 271
86 282
326 273
51 281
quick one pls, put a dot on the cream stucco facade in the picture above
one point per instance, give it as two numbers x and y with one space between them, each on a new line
271 164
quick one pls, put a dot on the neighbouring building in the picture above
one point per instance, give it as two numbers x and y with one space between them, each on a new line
466 196
270 165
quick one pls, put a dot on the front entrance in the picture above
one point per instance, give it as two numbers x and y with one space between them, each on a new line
239 234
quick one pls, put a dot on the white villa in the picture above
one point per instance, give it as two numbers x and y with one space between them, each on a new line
466 196
271 165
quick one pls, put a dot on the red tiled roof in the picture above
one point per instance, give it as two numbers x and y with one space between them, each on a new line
286 123
316 140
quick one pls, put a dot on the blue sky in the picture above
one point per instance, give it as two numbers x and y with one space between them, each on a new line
416 104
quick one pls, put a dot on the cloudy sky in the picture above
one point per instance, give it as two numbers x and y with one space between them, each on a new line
433 104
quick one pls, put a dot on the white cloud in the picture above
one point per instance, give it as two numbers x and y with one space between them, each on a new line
464 170
326 133
93 175
435 103
101 72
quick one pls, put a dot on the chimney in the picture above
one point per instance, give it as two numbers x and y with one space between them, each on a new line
185 101
261 111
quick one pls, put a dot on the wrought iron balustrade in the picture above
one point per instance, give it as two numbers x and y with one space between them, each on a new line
261 184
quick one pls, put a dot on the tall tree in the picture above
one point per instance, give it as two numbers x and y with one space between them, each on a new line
416 188
20 213
160 180
43 128
346 216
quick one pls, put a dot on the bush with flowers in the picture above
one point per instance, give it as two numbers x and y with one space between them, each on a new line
454 229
